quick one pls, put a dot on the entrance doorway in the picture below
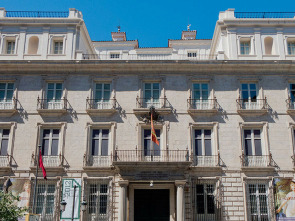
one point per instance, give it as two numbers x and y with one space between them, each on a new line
151 205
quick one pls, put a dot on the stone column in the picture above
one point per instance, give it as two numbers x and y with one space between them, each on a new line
122 200
180 204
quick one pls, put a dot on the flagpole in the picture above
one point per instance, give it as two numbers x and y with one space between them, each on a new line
36 180
151 144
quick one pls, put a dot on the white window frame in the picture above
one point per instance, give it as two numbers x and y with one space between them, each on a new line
102 104
11 126
246 38
256 181
55 104
8 104
259 94
4 39
56 38
288 40
50 139
152 102
62 129
252 141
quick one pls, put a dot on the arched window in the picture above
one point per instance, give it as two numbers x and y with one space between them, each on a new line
268 45
33 45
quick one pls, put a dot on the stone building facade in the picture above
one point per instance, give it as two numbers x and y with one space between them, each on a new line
224 117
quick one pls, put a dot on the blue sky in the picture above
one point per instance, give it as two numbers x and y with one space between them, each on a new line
151 22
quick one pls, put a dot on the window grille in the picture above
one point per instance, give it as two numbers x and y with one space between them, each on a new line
206 200
99 205
47 199
259 200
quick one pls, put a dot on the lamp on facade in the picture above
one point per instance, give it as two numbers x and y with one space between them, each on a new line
63 205
83 205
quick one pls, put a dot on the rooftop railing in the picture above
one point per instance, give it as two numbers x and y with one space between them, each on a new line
264 14
147 57
37 14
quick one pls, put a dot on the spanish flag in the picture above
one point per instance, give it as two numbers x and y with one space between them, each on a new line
153 132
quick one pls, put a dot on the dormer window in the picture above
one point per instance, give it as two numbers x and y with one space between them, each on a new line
245 46
192 54
10 47
115 56
291 46
58 47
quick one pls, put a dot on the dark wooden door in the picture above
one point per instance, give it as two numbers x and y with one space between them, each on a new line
151 205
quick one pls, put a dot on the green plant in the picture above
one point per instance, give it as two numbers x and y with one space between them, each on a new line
9 211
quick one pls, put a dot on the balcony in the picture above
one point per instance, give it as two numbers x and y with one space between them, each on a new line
51 163
104 107
91 162
52 107
254 107
6 163
290 106
8 107
263 162
206 161
131 158
161 105
202 107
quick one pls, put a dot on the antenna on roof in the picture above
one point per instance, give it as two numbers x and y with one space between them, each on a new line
119 28
188 26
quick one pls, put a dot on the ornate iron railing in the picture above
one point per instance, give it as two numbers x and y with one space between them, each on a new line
256 161
48 161
254 104
52 104
8 104
206 161
37 14
264 14
197 104
97 161
5 161
152 102
151 156
101 104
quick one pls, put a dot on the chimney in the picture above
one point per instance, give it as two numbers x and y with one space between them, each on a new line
119 36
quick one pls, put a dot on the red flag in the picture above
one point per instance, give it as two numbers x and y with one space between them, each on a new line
41 165
153 132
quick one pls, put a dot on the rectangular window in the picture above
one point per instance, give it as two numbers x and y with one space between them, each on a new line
200 96
114 56
249 96
151 148
46 196
291 47
100 142
245 47
10 47
252 140
58 47
50 142
98 200
6 95
203 144
152 95
102 96
192 54
205 200
54 95
257 198
292 96
4 136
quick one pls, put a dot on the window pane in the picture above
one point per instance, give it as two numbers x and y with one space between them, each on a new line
54 147
2 86
95 146
51 86
4 147
245 95
205 87
107 95
247 134
248 148
196 87
253 95
98 86
197 95
147 133
156 86
208 150
205 95
50 204
147 86
198 134
198 147
103 204
103 188
245 87
55 133
210 204
107 87
258 149
58 86
45 147
2 95
252 87
98 95
156 94
147 147
58 94
148 94
46 133
256 133
9 95
5 133
95 133
104 147
10 86
105 133
50 94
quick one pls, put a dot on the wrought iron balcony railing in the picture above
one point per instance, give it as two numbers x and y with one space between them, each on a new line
152 102
148 57
256 161
48 161
37 14
290 104
5 161
151 156
197 104
206 161
97 161
101 104
254 104
264 14
8 104
52 104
